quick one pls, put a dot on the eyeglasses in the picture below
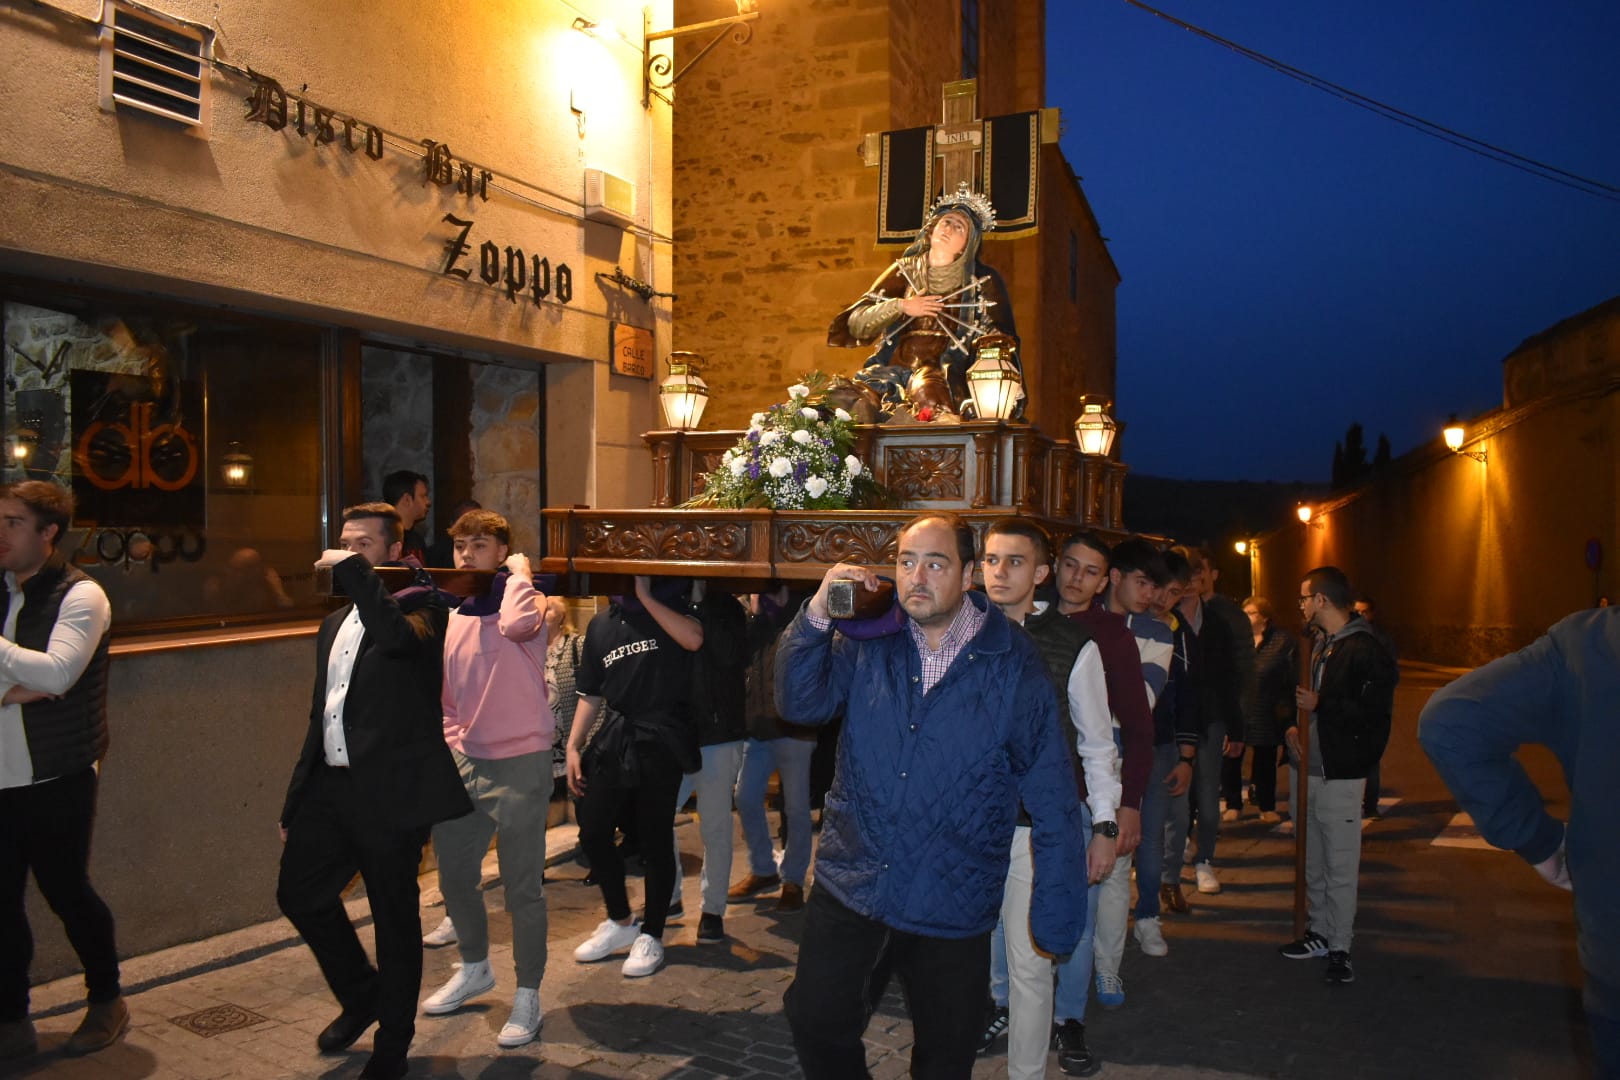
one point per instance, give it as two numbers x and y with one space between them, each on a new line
1308 596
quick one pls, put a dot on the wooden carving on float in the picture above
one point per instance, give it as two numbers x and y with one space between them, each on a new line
869 543
924 472
684 541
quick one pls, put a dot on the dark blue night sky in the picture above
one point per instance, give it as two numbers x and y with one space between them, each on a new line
1293 263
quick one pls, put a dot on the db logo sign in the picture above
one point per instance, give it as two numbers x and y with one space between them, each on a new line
136 454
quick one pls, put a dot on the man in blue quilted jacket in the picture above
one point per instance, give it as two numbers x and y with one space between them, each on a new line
949 721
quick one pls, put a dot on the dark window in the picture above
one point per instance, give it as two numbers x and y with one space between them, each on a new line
970 39
191 441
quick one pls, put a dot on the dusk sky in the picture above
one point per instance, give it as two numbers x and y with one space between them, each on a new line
1293 263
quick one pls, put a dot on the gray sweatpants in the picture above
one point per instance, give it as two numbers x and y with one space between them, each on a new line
1333 858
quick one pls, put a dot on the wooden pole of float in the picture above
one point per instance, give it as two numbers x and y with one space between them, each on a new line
1302 785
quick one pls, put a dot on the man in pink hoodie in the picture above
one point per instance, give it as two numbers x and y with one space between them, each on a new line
499 727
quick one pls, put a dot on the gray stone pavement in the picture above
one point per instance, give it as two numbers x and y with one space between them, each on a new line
1465 967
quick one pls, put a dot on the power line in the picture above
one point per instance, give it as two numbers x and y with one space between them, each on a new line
1491 152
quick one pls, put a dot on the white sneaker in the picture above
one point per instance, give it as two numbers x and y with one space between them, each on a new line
1207 881
443 934
1151 937
469 981
524 1023
608 938
646 956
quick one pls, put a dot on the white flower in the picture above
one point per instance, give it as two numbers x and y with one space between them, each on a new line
842 415
739 467
809 413
802 436
769 437
798 390
815 487
757 420
852 464
780 467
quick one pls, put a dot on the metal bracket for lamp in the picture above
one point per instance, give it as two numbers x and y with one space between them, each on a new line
659 72
635 285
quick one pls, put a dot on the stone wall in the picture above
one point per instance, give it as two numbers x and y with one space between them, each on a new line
396 393
776 210
506 449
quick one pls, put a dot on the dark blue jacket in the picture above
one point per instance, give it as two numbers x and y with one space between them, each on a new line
919 822
1561 692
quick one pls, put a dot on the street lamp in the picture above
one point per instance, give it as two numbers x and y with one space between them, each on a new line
1454 434
1304 512
994 380
1094 431
683 393
236 467
1241 547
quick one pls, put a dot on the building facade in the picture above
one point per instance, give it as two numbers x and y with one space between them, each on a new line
253 257
1473 554
776 207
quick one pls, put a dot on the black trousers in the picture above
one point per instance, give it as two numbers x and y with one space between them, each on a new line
46 828
844 961
333 836
648 809
1262 772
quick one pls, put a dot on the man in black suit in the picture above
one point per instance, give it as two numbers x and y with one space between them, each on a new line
374 776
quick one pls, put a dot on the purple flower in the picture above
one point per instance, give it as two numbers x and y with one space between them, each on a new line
753 470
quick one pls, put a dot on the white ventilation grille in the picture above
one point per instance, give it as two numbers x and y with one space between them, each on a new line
154 64
609 198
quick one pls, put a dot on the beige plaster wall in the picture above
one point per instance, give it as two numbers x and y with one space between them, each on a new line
203 743
268 221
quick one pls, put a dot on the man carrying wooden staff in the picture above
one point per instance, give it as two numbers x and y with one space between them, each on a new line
1350 702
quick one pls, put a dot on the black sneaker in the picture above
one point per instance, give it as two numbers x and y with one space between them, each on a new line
1339 969
711 929
1074 1057
995 1026
1308 947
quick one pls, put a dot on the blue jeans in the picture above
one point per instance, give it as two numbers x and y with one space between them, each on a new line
1150 854
714 785
791 758
1206 789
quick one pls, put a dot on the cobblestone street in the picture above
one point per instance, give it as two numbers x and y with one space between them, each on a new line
1465 967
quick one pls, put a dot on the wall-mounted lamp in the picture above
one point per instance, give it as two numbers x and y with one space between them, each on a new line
236 468
1241 547
1094 431
683 393
994 379
1454 435
1308 517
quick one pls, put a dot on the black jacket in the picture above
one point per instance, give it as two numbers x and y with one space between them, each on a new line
393 723
719 671
1355 700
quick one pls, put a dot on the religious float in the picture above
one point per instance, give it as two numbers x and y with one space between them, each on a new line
931 421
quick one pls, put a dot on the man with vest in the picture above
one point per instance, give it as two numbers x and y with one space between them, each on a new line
1017 558
53 733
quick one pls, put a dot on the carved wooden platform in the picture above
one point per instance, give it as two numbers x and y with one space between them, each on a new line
977 465
982 470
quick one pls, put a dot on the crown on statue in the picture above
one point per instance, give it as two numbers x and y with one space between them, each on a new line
968 201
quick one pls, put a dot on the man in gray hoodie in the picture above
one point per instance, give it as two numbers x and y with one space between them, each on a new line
1350 701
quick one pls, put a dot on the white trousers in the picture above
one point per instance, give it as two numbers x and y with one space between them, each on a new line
1029 972
1113 905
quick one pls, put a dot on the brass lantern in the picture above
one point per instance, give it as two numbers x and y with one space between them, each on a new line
994 380
1095 430
683 393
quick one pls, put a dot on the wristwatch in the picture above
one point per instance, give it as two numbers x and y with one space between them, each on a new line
1109 829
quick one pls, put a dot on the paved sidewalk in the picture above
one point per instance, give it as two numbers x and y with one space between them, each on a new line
1464 960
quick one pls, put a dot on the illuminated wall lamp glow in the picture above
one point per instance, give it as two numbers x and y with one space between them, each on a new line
1454 434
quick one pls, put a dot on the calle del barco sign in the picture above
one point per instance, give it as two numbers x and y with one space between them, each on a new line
503 267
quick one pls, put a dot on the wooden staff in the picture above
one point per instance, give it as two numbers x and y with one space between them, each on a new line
1302 784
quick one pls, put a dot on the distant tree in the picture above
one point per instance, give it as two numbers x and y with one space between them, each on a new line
1349 459
1337 478
1381 455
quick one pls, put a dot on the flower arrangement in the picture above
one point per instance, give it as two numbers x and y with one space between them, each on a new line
795 456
